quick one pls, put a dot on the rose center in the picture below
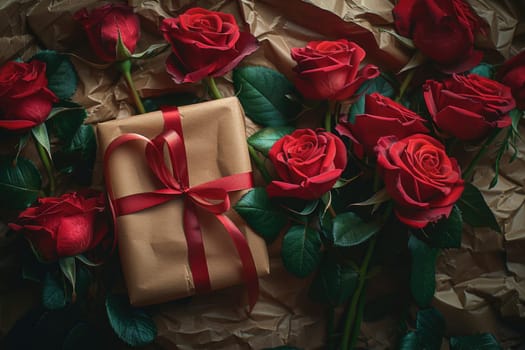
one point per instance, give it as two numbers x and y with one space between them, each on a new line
206 23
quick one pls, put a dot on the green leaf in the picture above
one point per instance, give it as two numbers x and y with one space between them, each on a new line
264 139
475 210
132 325
334 283
430 328
20 184
403 39
60 72
301 250
69 269
78 146
422 276
22 142
302 208
380 85
151 51
41 136
256 208
84 142
262 92
121 50
180 99
53 295
484 341
348 229
63 107
446 233
484 69
66 120
410 342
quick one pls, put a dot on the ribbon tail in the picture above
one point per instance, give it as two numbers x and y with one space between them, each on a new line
196 254
249 271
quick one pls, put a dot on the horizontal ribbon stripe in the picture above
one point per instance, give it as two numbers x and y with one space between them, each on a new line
211 196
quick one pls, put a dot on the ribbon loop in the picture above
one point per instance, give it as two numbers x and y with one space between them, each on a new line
211 196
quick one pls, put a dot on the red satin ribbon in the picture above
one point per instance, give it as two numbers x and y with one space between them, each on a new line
211 196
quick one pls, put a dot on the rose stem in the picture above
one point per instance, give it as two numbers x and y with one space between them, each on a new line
215 92
48 164
328 116
467 173
260 164
352 312
358 320
404 85
331 210
330 328
125 68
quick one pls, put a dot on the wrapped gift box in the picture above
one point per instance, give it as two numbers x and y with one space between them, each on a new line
152 244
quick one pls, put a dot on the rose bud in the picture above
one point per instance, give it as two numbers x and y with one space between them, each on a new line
512 74
308 163
329 70
443 30
468 107
204 44
419 176
383 117
103 27
25 99
64 226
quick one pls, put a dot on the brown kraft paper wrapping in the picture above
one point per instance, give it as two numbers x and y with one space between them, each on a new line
152 245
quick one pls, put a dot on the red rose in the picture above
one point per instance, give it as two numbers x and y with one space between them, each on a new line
64 226
468 107
25 100
512 74
383 117
442 29
204 44
309 162
103 27
330 69
423 181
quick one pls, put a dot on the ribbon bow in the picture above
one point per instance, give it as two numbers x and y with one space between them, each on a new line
211 196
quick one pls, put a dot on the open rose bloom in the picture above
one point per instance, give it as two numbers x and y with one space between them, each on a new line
330 70
444 30
308 163
64 226
469 107
25 99
423 180
204 44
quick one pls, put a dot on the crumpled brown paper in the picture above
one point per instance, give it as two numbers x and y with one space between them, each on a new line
480 286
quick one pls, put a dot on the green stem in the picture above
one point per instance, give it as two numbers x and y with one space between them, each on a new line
467 173
351 319
125 68
259 164
330 328
404 85
358 319
328 119
48 164
215 92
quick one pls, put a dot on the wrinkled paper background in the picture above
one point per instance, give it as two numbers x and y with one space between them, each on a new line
480 287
